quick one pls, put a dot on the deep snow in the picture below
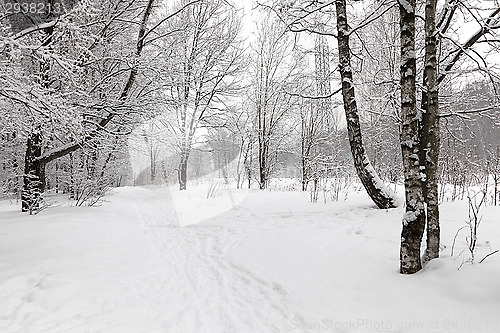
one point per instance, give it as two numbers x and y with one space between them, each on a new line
152 259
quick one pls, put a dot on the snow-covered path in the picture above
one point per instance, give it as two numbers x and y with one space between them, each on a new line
156 260
133 265
199 288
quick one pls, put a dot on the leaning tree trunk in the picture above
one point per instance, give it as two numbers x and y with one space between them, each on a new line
430 141
34 175
414 217
376 189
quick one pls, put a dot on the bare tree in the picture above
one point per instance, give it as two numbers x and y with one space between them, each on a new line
376 189
204 72
420 138
90 79
302 16
430 136
240 123
273 68
414 217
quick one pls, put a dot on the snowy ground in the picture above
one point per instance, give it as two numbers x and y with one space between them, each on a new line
156 260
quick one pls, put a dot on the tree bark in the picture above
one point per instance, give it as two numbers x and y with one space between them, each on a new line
430 140
248 164
34 175
182 172
305 176
262 177
495 180
414 217
263 161
378 192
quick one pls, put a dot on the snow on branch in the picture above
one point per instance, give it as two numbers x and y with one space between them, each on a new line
314 96
406 5
490 24
462 113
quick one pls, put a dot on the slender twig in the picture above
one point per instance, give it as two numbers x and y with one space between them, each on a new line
492 253
455 238
314 96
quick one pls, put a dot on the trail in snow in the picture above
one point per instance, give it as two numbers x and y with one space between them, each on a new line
202 290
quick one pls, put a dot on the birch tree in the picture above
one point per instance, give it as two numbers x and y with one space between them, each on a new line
429 131
376 189
302 16
420 137
414 217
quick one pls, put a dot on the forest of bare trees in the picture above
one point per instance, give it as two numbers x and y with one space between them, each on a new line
322 91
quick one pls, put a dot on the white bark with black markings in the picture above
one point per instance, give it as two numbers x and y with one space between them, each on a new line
414 217
376 189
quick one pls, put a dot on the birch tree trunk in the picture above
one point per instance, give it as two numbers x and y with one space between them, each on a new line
430 140
376 189
414 217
